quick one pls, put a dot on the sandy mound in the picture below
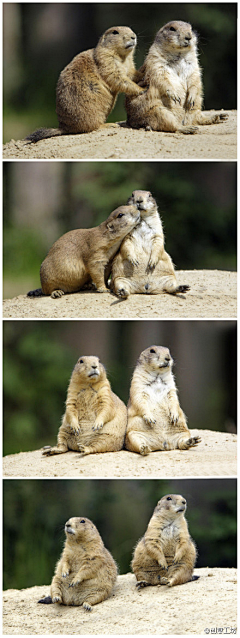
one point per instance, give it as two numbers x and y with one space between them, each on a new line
206 603
213 294
216 455
114 141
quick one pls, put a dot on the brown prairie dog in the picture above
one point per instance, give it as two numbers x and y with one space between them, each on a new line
166 554
155 418
95 419
142 264
84 255
172 74
87 88
86 572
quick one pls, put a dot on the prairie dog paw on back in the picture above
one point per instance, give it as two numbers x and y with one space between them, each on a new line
84 256
172 75
95 418
155 418
86 572
142 264
166 554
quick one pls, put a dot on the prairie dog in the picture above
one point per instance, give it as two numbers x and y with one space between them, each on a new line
95 419
142 264
86 572
87 88
166 554
172 75
155 419
84 255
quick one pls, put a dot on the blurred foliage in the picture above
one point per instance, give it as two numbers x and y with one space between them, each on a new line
41 38
35 513
197 203
39 357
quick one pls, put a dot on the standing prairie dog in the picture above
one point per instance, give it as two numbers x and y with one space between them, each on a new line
86 572
166 554
155 419
142 264
87 88
84 255
172 74
95 418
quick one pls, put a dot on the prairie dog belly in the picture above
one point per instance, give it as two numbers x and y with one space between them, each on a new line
157 393
87 408
142 237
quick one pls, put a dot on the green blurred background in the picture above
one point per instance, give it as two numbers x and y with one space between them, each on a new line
39 357
43 200
35 513
40 39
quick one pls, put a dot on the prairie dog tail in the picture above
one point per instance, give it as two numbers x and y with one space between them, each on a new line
35 293
43 134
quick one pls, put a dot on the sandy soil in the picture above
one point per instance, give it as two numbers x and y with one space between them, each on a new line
216 455
206 603
116 141
213 294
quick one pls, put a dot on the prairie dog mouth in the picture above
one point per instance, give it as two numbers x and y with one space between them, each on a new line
69 529
130 45
94 374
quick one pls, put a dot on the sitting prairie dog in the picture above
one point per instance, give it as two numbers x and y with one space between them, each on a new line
166 554
172 75
87 88
84 255
155 419
95 419
86 572
142 264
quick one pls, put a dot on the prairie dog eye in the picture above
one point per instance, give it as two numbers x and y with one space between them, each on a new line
80 360
115 32
172 29
120 215
153 351
82 521
169 498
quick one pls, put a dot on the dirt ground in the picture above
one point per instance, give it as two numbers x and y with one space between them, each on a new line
216 455
116 141
213 294
207 603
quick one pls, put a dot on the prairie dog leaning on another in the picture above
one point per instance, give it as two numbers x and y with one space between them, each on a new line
172 75
84 255
142 264
155 419
166 554
87 88
86 572
95 419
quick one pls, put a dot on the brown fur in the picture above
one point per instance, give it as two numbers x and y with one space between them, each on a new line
155 419
87 88
95 418
166 554
86 572
84 255
172 75
142 264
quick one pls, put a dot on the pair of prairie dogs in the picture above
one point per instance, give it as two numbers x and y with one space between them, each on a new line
129 246
164 95
86 572
97 421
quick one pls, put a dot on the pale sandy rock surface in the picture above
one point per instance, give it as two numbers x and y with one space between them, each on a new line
213 294
216 455
116 141
206 603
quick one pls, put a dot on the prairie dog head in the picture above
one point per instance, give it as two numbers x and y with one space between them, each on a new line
122 40
176 36
89 369
144 201
122 220
172 506
156 359
79 528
